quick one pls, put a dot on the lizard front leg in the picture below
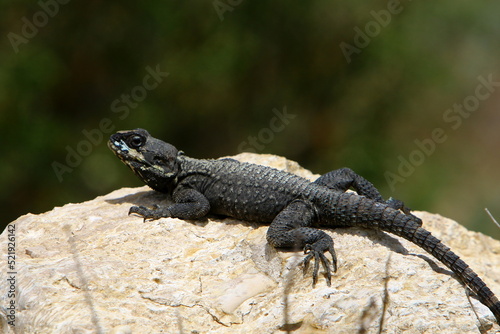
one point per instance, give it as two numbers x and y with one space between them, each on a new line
290 229
189 204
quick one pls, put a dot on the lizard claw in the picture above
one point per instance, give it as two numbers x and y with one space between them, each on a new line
146 213
317 251
140 211
399 205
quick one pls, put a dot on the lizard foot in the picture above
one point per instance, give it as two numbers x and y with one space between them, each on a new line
149 214
399 205
317 251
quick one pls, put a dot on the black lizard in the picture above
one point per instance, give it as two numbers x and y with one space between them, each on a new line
292 204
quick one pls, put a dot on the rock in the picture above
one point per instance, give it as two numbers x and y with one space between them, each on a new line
89 267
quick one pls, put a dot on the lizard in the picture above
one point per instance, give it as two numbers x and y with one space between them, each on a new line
292 205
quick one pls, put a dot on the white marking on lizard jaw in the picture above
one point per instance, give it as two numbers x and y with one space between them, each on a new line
131 153
122 146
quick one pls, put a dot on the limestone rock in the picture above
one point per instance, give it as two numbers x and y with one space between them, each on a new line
91 268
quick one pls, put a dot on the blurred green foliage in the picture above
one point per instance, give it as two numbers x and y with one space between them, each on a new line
230 64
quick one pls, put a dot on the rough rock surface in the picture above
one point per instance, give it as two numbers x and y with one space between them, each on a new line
90 268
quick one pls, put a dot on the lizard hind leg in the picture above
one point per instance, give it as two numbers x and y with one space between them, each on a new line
344 178
291 229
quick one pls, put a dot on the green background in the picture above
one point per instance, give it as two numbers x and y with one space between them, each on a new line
232 65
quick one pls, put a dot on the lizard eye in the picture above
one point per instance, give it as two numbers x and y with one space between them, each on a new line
136 141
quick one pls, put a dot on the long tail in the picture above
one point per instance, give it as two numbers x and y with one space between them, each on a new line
371 214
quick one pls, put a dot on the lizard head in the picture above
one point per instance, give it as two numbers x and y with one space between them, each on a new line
152 160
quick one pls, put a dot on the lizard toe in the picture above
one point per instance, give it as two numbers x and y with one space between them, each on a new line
150 214
142 212
316 252
137 210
